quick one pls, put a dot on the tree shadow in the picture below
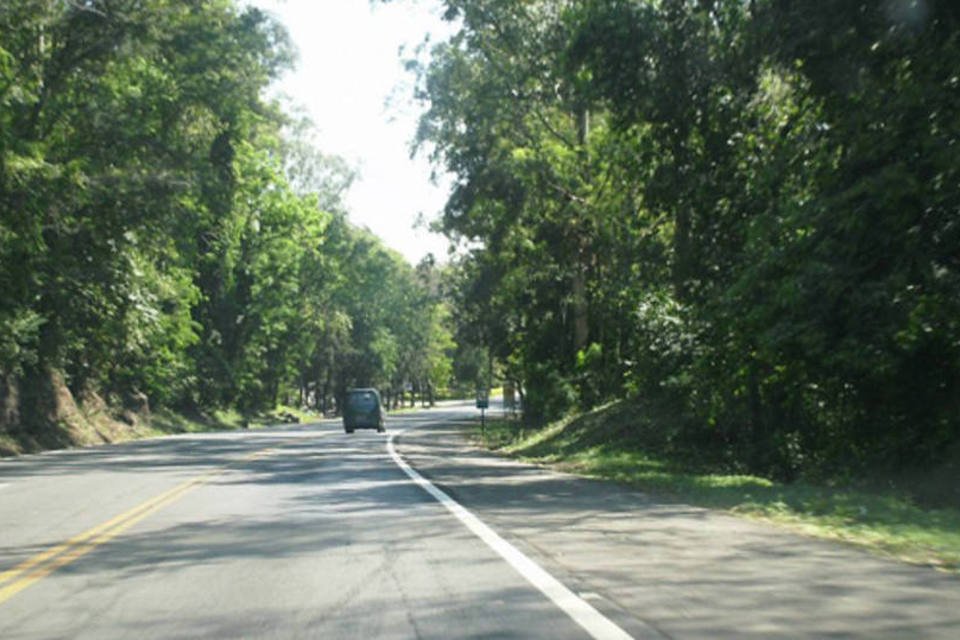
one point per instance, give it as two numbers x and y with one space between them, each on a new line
648 563
688 571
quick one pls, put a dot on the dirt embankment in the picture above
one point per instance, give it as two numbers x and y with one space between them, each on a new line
42 413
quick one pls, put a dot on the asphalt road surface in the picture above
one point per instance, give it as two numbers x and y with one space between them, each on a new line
307 532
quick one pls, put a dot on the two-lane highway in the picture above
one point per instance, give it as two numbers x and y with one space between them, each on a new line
307 532
289 532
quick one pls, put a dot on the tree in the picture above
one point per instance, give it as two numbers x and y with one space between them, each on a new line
758 219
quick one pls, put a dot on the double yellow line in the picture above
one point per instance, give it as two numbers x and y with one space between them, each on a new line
33 569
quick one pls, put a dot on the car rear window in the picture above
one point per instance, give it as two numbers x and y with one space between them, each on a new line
362 401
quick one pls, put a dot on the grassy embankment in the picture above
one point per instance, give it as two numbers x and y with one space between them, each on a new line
160 423
910 517
165 422
104 428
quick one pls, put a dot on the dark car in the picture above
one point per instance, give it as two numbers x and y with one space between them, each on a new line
362 410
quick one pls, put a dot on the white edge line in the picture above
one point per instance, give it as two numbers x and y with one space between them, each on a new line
592 621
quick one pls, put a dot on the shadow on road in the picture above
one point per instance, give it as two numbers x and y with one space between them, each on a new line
684 571
687 571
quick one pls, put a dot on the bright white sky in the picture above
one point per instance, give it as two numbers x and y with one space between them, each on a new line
351 82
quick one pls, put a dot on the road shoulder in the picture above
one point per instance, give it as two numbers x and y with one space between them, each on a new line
685 571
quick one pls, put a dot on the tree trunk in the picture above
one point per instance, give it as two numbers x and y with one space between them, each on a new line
581 323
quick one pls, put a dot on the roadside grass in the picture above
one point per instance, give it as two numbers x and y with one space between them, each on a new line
614 443
162 422
9 446
165 421
284 413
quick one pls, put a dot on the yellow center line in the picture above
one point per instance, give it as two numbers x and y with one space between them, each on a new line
46 562
56 550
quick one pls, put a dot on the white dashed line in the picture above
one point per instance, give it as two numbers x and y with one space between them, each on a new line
592 621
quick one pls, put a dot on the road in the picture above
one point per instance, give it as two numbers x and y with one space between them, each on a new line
306 532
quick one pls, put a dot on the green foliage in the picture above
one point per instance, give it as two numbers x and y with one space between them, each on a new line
165 230
633 442
747 208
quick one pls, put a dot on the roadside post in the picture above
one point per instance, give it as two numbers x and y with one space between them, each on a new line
483 402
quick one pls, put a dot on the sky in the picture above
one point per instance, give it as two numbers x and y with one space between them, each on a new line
350 81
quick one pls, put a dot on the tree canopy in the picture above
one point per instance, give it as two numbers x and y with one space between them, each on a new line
166 230
749 208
